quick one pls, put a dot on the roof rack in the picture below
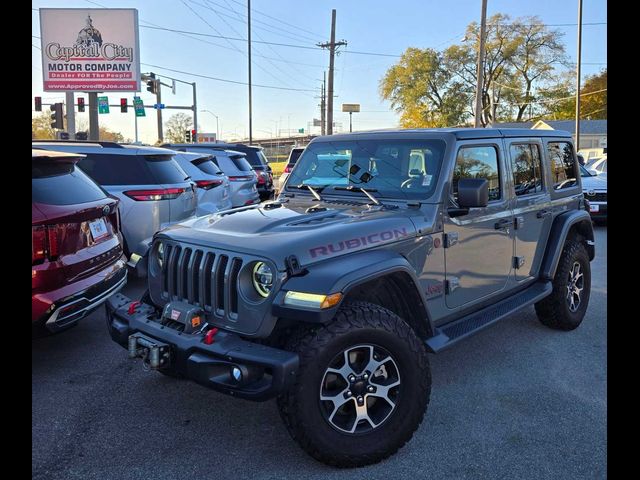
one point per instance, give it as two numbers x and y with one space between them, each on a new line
102 144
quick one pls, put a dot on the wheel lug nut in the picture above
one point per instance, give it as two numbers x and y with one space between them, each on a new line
349 393
352 378
370 388
365 376
360 400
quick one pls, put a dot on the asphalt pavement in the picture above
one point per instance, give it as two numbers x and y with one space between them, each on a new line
516 401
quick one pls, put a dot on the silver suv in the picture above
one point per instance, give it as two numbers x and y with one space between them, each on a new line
154 191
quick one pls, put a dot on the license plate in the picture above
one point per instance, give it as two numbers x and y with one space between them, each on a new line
594 208
98 229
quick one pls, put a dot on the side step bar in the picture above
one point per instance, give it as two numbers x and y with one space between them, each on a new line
464 327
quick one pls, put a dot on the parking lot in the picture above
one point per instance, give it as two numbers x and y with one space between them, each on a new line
517 400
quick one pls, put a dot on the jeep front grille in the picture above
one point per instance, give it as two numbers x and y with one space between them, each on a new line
208 279
596 197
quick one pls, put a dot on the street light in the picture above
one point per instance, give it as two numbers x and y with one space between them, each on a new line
217 125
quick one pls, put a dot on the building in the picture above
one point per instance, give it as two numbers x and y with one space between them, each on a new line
593 133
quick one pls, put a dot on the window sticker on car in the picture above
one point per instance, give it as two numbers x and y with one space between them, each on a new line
426 181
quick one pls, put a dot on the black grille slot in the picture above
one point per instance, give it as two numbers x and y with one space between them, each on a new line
233 285
165 268
193 286
205 277
221 266
172 288
597 197
183 273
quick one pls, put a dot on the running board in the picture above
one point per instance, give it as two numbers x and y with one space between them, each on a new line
464 327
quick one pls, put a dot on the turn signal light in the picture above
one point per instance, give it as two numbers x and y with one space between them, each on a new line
154 194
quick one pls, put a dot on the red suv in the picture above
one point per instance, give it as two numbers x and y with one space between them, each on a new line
76 252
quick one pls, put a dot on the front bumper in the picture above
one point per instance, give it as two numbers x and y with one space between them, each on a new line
267 371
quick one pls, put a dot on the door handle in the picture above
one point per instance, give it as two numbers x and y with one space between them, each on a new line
502 224
543 213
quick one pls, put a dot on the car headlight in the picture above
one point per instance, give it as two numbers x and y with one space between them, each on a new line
262 277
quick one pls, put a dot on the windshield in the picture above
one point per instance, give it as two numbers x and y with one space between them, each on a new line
391 167
584 172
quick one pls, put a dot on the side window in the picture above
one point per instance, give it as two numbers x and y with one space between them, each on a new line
563 165
478 162
527 168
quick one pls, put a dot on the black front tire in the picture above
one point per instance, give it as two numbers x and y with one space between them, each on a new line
354 324
554 311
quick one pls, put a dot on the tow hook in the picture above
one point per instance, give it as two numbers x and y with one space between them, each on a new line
153 353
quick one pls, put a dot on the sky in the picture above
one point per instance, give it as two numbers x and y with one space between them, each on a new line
374 26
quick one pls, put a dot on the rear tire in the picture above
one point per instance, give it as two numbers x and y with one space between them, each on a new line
565 308
392 381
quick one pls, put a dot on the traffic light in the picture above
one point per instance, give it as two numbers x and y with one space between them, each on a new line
38 104
151 84
194 138
187 136
81 104
123 105
57 117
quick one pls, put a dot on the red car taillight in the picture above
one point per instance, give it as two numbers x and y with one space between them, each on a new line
155 194
38 244
45 243
261 177
208 184
287 169
241 178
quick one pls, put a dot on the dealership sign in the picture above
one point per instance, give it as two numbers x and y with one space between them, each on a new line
90 49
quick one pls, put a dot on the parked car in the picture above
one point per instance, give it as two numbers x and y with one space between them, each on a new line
154 191
76 244
598 166
331 298
212 184
243 179
594 188
254 155
294 154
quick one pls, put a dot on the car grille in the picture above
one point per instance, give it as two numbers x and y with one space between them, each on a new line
596 197
208 279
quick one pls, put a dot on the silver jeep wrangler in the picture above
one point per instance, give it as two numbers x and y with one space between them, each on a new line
381 248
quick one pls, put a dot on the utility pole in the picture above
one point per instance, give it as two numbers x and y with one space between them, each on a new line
249 44
480 76
578 76
195 112
323 105
332 46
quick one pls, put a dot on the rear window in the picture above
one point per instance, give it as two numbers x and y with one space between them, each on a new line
62 184
206 165
232 162
294 156
254 157
108 169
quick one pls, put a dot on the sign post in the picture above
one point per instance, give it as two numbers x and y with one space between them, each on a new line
350 107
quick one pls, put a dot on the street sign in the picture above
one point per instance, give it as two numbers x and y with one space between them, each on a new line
103 104
301 130
138 106
350 107
317 122
158 106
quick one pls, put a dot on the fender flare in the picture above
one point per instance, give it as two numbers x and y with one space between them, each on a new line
562 224
343 274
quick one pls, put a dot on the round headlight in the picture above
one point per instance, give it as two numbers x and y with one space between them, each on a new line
262 276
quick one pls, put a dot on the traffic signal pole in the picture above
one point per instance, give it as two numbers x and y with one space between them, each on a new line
71 115
159 111
94 132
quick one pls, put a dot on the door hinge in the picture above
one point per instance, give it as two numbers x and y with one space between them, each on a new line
450 239
518 222
518 262
451 284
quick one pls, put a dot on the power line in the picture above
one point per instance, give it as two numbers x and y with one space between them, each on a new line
227 80
35 46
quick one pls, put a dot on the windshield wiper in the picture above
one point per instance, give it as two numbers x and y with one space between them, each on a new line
310 188
363 190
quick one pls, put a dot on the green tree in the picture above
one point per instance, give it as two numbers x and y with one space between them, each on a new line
41 127
523 62
176 126
423 90
593 99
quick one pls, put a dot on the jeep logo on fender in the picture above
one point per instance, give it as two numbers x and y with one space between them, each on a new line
358 242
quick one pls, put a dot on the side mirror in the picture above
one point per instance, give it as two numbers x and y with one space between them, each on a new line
415 172
473 192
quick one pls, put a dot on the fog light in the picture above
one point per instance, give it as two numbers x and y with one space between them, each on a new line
236 374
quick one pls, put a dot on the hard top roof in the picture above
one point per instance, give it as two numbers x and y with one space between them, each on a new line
116 148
